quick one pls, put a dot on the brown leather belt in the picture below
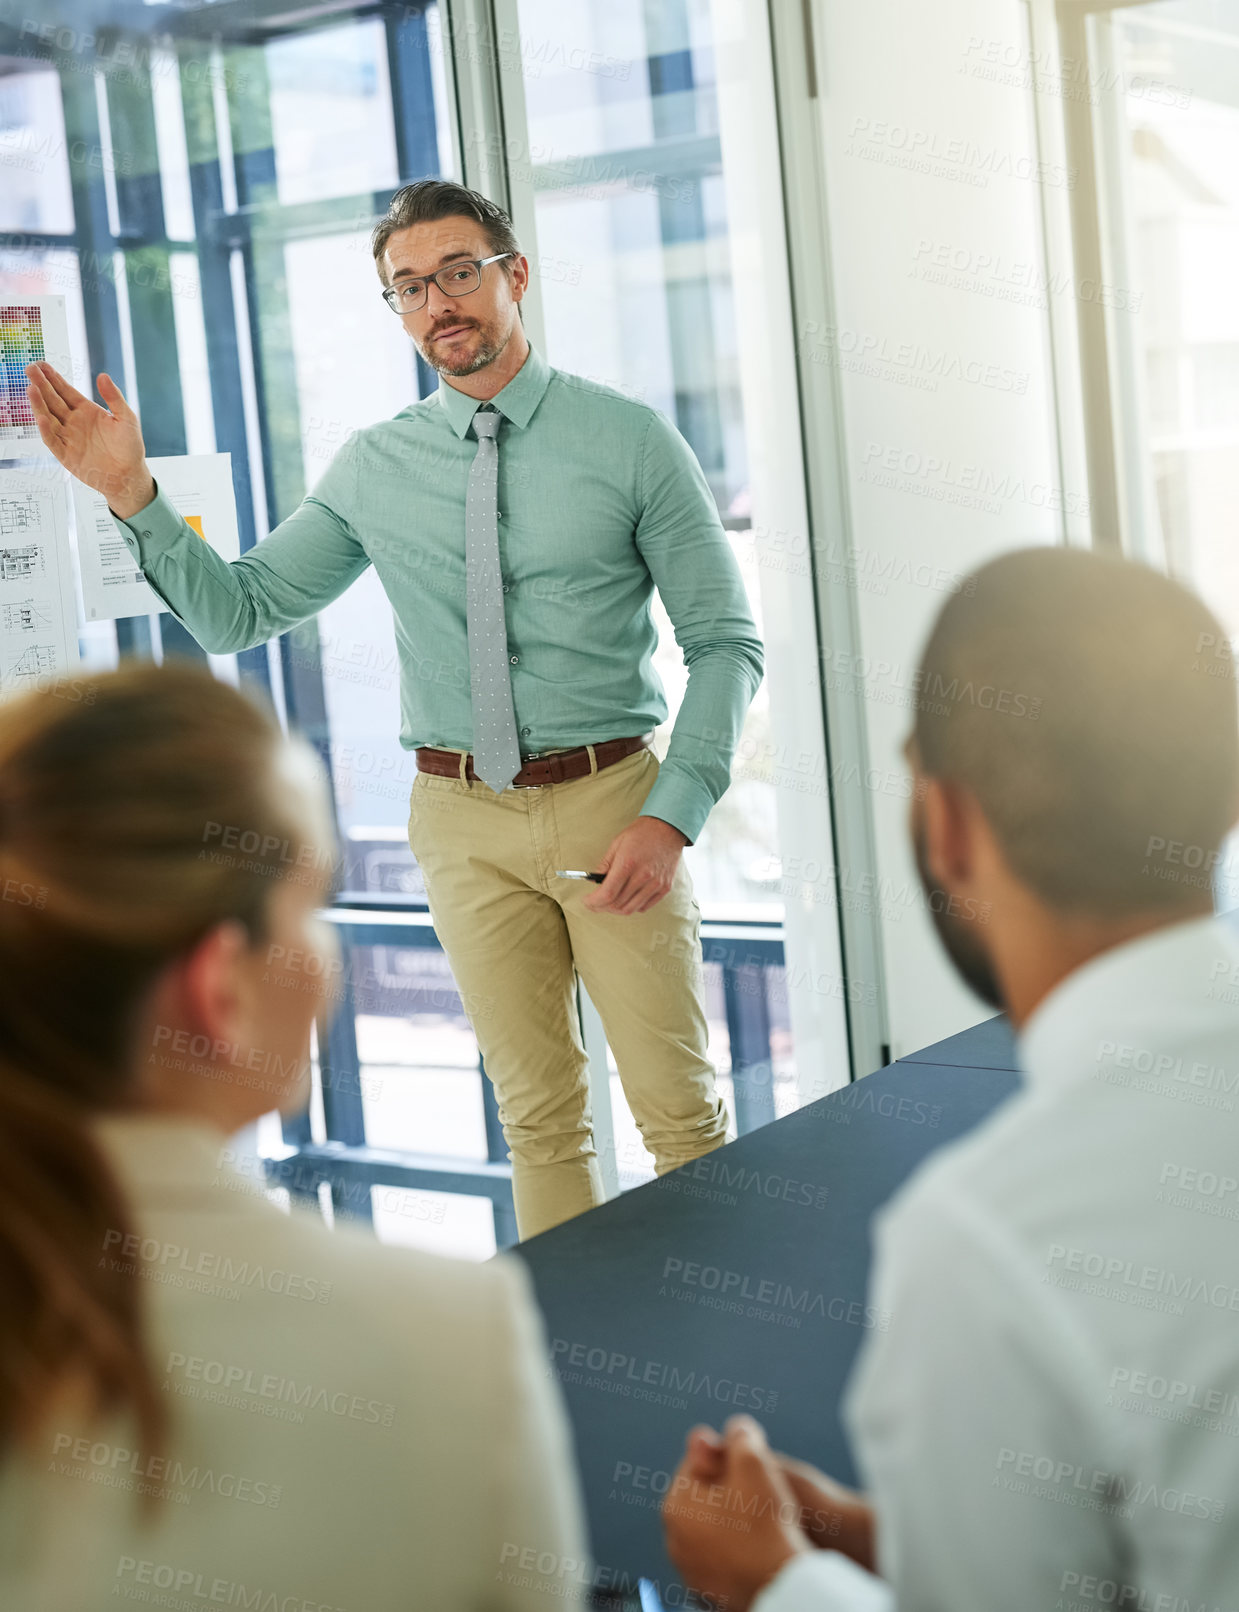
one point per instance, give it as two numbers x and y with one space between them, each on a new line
537 771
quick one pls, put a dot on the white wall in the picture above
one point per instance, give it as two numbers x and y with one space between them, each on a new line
940 344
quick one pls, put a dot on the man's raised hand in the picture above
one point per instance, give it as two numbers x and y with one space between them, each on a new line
102 447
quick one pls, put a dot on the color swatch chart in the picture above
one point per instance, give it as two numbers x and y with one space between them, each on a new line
21 343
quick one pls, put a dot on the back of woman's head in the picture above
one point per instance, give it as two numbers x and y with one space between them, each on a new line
116 793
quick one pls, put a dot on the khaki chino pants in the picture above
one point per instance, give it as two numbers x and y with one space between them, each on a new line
516 936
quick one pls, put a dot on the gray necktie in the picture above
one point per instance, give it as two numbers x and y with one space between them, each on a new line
496 750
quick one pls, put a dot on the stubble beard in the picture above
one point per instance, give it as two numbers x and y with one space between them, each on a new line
489 350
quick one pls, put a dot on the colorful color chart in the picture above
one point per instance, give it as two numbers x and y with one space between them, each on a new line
21 343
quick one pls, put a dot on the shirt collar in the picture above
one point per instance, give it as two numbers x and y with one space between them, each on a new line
516 401
1169 987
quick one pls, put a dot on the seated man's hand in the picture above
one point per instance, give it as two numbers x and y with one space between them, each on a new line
731 1514
834 1516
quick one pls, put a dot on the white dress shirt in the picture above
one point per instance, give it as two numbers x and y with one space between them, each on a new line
1051 1422
355 1428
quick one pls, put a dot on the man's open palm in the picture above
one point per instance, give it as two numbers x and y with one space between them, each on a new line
102 447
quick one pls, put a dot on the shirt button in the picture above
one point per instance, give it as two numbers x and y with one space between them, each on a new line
525 732
515 659
506 587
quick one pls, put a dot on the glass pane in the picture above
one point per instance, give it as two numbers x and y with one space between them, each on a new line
34 158
1179 67
331 113
318 348
353 368
626 167
1177 80
446 1223
191 349
178 207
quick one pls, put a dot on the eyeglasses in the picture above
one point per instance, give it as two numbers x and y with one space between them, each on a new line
456 280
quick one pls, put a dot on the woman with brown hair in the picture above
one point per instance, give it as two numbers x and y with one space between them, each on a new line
204 1400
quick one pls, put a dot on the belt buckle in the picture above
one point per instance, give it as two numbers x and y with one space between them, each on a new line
555 764
515 785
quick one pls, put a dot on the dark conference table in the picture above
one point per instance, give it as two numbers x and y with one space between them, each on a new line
739 1283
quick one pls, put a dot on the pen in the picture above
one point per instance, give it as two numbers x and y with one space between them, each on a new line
579 873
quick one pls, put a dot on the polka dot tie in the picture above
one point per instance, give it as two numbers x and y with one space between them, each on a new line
496 749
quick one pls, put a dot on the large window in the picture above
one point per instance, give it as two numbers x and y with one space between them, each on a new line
1180 74
202 191
640 211
1165 78
624 158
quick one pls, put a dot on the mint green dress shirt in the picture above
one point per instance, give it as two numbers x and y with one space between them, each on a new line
601 501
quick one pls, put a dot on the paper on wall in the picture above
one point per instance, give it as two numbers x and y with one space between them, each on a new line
38 603
31 329
199 487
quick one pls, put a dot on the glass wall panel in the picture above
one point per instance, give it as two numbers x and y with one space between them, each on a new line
1179 66
34 155
625 162
1176 72
331 112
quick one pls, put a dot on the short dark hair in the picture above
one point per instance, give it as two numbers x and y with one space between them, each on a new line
1089 705
428 200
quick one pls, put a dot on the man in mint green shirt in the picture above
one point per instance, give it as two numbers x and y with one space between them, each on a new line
599 502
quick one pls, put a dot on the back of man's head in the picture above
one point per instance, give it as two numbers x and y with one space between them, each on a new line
1089 705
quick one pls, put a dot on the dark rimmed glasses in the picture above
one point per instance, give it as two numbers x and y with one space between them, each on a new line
454 280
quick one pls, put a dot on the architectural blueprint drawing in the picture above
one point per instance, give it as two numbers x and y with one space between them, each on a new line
38 602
